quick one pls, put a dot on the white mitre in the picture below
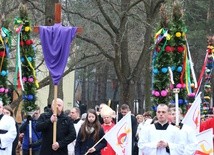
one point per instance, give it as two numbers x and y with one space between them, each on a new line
107 111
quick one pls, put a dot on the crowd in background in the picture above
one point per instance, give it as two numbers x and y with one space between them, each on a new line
78 130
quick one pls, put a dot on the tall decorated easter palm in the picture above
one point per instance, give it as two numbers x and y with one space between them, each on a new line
5 44
26 66
208 70
180 65
161 62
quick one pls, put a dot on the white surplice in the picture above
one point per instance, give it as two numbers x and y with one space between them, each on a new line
149 138
71 146
189 140
8 134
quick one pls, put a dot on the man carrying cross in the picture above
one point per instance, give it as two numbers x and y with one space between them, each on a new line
65 135
55 125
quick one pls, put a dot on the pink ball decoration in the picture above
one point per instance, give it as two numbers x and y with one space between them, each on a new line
157 94
153 92
30 79
17 30
24 79
184 86
163 93
6 90
178 85
1 90
191 95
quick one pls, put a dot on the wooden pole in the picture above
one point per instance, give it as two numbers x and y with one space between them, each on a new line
55 112
117 112
109 102
58 12
176 91
30 136
137 106
95 144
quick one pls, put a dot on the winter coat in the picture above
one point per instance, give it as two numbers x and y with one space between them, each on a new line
36 136
82 147
65 133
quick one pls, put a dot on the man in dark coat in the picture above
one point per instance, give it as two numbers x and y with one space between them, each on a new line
65 131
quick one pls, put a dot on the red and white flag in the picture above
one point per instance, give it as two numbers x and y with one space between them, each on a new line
205 143
193 115
120 136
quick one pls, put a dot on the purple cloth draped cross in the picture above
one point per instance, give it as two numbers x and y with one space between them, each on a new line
56 41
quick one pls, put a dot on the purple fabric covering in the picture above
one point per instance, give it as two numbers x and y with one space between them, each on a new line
56 42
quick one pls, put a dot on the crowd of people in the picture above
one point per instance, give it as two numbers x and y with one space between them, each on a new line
82 133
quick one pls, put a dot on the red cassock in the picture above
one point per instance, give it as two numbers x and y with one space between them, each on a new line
108 149
208 124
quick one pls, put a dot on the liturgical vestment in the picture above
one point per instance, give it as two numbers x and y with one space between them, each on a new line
150 137
7 134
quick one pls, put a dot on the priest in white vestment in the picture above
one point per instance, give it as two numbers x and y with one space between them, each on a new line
187 134
7 132
160 138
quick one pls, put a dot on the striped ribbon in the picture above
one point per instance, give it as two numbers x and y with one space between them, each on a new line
184 67
191 65
18 69
187 77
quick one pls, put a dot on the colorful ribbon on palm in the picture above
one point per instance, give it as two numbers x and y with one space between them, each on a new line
25 75
5 42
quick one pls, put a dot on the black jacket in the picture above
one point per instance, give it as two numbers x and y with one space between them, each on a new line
65 133
82 147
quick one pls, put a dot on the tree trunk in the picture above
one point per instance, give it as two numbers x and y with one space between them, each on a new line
115 87
49 12
127 91
83 96
140 97
102 72
210 17
95 87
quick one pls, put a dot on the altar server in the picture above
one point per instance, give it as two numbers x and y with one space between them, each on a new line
189 139
7 132
160 138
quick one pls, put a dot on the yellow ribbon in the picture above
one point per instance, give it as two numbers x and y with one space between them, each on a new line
34 73
186 72
159 32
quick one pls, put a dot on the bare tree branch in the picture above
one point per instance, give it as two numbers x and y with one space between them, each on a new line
107 18
90 19
98 46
